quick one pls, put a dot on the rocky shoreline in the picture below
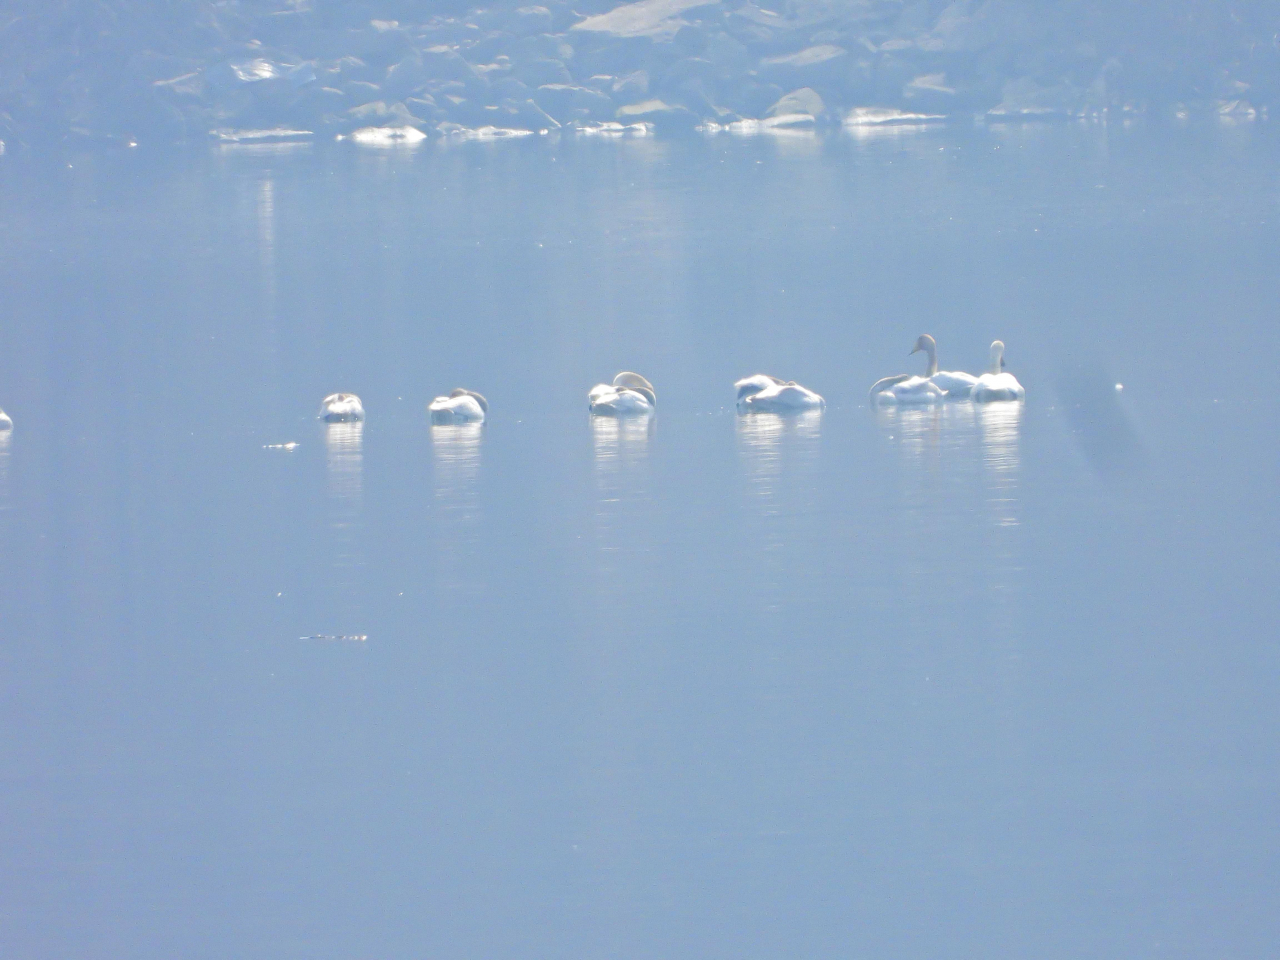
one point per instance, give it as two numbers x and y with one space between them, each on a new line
296 68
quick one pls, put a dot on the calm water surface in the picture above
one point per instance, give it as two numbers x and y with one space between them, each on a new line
952 683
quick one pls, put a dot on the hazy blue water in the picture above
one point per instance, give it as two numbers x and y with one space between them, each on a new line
958 683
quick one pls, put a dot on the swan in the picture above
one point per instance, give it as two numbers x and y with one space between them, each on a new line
341 408
957 384
6 422
763 392
629 394
995 385
461 406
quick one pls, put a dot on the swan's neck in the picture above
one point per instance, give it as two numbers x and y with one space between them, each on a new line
997 356
932 353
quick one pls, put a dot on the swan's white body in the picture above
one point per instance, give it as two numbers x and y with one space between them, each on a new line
957 384
341 408
771 395
906 390
933 387
461 406
996 385
6 423
629 395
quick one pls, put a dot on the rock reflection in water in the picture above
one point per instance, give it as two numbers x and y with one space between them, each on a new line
456 450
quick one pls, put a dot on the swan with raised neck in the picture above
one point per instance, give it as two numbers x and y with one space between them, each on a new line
995 384
957 383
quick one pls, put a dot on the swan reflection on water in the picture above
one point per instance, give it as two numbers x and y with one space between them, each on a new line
456 447
344 444
622 518
620 440
5 437
767 440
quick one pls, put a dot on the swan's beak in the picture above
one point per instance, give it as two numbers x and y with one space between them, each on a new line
914 350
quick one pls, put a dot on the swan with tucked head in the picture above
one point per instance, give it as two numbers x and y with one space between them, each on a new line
341 408
995 384
904 388
628 395
771 395
461 406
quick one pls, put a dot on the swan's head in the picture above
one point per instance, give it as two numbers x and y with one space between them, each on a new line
926 343
460 392
997 356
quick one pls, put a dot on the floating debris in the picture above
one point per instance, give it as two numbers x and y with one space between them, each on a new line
326 636
291 445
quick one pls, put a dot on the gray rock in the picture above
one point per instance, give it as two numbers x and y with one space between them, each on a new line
663 116
531 19
631 88
543 46
446 63
536 73
361 91
567 102
509 88
804 100
406 77
525 115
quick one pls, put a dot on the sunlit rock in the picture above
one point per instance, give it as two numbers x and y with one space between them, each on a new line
804 101
388 136
657 19
663 116
886 116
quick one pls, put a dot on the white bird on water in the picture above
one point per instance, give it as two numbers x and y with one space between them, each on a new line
905 388
341 408
957 384
771 395
6 422
629 394
995 384
461 406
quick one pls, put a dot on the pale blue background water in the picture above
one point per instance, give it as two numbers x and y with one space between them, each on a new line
956 683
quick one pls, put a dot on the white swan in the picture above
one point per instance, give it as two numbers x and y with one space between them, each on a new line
6 422
957 384
995 385
933 387
341 408
461 406
628 395
771 395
